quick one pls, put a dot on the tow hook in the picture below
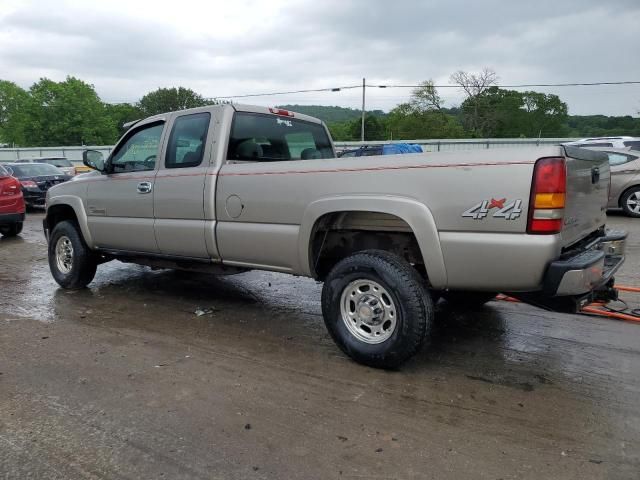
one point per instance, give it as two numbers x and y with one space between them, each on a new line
606 293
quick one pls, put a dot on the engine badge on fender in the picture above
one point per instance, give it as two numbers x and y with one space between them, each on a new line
509 211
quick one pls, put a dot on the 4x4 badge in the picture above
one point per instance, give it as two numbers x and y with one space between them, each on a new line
508 211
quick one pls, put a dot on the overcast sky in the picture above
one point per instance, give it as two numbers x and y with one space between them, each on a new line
129 47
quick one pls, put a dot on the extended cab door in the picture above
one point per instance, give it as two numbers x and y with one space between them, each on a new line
179 188
120 203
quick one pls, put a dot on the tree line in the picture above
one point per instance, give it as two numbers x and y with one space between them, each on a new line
70 112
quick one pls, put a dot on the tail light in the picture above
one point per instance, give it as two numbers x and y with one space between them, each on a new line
282 112
29 184
548 196
10 189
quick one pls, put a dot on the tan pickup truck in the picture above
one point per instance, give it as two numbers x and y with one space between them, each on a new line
223 189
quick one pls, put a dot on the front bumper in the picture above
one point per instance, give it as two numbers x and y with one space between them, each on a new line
34 197
587 270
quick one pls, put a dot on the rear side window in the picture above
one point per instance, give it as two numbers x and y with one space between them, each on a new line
58 162
602 144
635 144
187 141
620 158
271 138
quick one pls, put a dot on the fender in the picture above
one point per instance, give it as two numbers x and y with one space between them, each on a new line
415 214
78 207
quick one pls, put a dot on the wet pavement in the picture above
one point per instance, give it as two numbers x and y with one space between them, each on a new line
124 380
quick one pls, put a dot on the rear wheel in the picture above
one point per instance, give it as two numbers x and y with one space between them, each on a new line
71 262
630 202
11 230
376 308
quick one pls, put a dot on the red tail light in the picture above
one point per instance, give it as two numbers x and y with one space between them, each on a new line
281 112
548 196
29 183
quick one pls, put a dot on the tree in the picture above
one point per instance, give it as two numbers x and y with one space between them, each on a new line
122 113
12 100
423 117
66 113
474 85
374 128
170 99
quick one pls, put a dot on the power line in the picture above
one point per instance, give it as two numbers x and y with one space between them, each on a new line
523 85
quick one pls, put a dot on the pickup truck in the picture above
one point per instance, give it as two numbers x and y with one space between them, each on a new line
228 188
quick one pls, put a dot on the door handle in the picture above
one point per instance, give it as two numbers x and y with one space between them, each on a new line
145 187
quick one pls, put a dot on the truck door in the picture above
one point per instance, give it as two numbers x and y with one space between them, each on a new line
120 203
179 188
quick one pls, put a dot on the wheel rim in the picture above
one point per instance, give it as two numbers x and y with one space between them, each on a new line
633 202
64 254
368 311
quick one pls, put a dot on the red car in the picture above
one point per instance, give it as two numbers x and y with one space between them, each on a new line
11 204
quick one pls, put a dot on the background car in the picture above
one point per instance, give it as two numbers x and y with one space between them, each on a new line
11 204
36 179
62 163
608 142
625 180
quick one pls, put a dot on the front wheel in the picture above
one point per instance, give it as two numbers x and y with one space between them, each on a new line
71 262
11 230
630 202
376 308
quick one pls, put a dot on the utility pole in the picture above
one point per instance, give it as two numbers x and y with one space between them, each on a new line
362 126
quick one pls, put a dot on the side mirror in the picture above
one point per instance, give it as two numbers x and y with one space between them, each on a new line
93 159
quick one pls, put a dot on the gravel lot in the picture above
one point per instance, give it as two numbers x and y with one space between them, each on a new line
123 380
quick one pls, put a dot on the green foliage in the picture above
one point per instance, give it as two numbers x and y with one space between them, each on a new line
71 113
65 113
374 128
122 113
331 115
12 100
602 126
170 99
501 113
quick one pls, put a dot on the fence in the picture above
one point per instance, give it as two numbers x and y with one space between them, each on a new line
436 145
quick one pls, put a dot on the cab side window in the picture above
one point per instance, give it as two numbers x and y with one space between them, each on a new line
139 151
187 141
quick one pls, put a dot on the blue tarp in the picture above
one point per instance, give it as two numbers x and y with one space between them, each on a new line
396 148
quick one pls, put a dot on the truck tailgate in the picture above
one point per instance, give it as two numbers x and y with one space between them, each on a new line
588 178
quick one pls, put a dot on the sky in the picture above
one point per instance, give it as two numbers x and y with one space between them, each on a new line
126 48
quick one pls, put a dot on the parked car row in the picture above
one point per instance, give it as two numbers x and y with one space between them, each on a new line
12 207
24 185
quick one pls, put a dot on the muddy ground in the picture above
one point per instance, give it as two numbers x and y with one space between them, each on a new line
124 381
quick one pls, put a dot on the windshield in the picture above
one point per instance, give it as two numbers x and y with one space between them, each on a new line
35 170
270 138
3 172
58 162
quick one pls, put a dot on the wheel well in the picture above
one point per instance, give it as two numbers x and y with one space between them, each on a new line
632 187
340 234
59 213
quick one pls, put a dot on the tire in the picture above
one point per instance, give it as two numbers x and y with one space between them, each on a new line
11 230
630 202
71 262
467 300
396 304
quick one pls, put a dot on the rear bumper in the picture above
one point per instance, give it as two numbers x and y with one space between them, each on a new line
588 270
10 218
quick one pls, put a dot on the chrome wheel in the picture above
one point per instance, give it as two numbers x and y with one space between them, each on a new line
368 311
64 254
633 202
